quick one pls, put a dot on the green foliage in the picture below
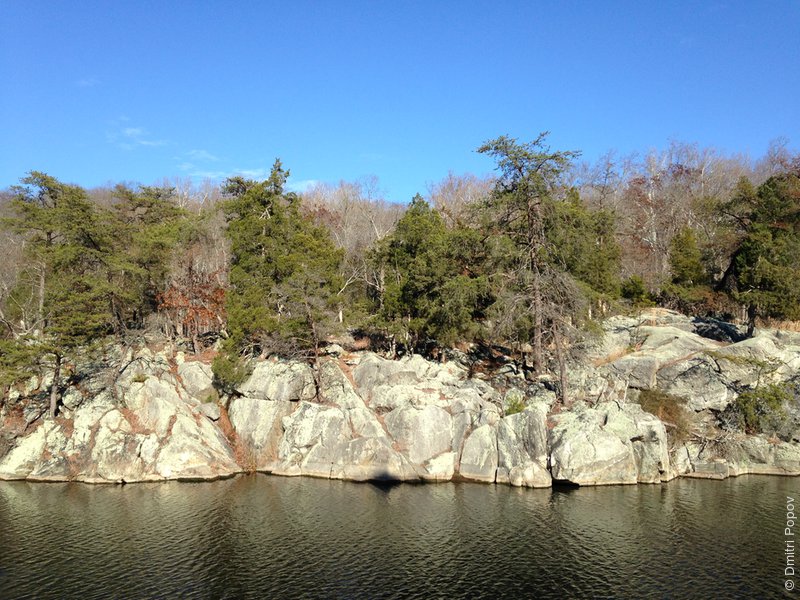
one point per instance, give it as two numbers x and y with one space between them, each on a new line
229 370
582 242
537 300
686 259
514 403
148 228
762 409
434 288
67 238
688 290
764 273
284 271
18 359
634 289
670 409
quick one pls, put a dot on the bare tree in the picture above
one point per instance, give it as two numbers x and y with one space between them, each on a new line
358 217
455 196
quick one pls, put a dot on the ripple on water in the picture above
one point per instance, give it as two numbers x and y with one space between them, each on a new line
270 537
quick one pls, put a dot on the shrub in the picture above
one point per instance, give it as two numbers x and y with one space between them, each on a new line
634 289
212 397
229 371
139 378
670 409
514 402
761 410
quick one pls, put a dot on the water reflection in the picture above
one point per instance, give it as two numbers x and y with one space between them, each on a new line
270 537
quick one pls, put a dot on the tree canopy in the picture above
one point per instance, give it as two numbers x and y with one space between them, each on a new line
522 261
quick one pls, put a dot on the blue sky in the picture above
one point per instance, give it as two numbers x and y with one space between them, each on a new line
97 92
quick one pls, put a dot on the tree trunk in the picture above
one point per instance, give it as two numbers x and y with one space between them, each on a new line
38 330
54 387
562 366
538 326
535 245
752 313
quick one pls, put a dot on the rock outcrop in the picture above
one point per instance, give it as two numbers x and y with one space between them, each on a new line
362 417
155 430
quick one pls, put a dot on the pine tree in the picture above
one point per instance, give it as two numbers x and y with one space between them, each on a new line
534 297
65 235
764 270
284 275
434 289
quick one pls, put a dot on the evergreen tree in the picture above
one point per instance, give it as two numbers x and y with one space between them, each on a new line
533 296
148 228
764 271
64 233
284 275
582 242
434 289
686 259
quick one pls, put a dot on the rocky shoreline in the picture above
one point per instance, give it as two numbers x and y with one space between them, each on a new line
160 418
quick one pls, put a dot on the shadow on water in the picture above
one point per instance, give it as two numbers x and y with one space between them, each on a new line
384 484
564 486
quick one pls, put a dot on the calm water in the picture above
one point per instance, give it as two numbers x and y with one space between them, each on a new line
270 537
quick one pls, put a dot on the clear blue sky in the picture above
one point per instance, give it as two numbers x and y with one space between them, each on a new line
94 92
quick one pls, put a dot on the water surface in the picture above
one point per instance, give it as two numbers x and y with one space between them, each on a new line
269 537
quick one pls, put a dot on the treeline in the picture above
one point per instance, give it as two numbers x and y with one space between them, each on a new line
526 259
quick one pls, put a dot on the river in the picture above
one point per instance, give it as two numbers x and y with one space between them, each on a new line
268 537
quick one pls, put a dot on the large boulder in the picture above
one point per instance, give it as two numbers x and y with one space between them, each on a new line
479 457
373 459
314 439
197 379
700 381
153 430
522 448
737 455
104 444
258 425
584 454
280 381
611 443
421 433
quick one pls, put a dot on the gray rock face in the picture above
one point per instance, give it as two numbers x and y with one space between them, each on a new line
683 357
280 381
522 449
155 431
608 444
196 378
584 454
479 457
258 425
738 455
374 419
421 433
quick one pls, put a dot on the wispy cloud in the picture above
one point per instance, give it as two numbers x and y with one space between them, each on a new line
197 172
301 186
202 156
252 173
213 175
87 82
129 138
202 164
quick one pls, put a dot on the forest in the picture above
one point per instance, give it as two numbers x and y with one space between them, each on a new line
525 260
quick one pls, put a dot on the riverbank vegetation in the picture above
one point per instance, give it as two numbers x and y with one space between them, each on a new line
525 260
